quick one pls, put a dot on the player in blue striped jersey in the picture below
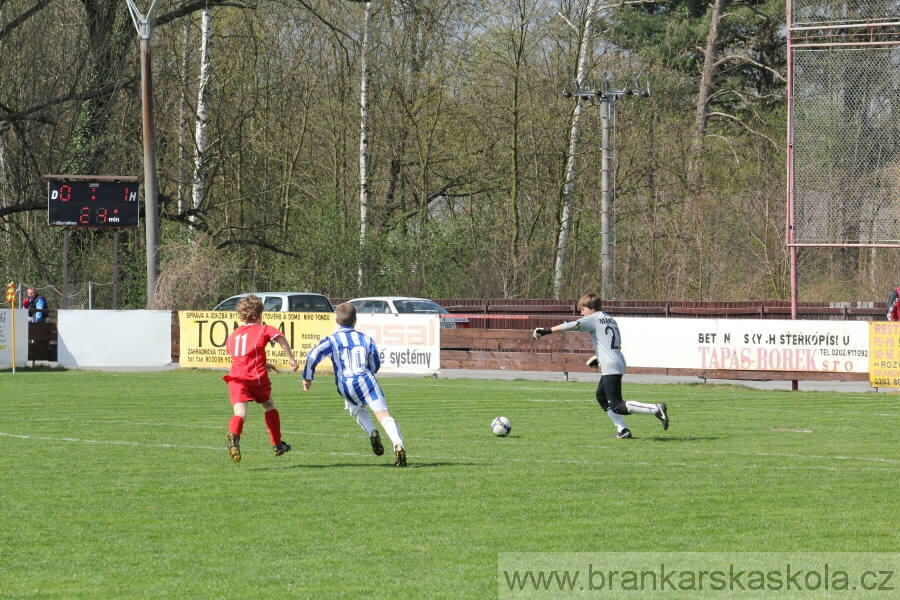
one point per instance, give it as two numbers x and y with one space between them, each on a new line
356 360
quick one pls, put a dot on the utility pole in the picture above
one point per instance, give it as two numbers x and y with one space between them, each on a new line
151 203
606 99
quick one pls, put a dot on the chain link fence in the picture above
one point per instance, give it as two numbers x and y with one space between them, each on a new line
839 12
847 145
88 295
845 100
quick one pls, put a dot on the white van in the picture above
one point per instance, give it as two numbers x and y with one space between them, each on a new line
283 302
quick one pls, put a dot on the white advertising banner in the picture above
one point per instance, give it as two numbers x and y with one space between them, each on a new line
406 343
114 338
746 345
6 337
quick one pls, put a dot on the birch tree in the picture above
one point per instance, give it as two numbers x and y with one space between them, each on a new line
568 191
364 141
199 185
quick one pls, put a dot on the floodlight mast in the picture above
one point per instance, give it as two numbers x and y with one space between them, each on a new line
606 100
143 25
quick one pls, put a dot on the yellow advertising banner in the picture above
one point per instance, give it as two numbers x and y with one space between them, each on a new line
204 333
884 354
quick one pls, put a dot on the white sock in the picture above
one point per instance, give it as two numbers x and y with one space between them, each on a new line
639 408
393 431
362 417
618 419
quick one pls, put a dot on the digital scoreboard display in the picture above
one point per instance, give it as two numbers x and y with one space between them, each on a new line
86 203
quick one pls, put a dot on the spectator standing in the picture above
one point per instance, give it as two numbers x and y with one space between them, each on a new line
893 305
33 301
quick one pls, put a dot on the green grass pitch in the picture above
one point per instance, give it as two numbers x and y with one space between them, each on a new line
118 485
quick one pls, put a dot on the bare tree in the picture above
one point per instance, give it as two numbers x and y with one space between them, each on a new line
198 188
707 76
568 191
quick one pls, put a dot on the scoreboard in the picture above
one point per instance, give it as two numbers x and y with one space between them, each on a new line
93 203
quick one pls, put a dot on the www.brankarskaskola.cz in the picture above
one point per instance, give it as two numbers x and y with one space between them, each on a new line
787 578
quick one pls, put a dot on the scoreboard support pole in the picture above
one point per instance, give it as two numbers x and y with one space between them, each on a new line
65 265
115 286
65 287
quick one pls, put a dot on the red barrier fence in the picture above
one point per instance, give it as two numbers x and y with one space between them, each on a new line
487 313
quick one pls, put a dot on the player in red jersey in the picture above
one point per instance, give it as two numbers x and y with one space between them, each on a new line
249 376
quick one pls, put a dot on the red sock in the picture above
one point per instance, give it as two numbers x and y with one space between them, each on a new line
273 423
236 425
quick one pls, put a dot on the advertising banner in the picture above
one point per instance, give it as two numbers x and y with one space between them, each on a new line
6 338
746 345
884 354
203 335
406 343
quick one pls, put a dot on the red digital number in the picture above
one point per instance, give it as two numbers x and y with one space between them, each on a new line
65 192
125 198
85 217
102 215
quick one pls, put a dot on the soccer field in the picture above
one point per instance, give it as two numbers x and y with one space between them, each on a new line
118 485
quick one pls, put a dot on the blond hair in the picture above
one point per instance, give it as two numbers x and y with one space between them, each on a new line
249 308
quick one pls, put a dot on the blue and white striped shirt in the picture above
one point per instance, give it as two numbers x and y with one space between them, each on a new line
356 361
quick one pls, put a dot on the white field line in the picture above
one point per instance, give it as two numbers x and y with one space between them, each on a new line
105 442
499 459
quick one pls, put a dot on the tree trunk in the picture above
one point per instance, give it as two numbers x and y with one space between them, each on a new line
183 119
706 85
568 191
364 142
200 157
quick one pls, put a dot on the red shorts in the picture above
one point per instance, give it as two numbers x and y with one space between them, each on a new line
246 391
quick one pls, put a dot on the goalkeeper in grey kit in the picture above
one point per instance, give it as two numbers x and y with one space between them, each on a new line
607 344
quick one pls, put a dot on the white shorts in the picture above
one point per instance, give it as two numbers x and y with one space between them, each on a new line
379 404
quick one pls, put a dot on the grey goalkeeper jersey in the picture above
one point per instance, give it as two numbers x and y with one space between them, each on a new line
607 340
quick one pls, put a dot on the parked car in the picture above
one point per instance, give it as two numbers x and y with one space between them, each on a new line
283 302
399 305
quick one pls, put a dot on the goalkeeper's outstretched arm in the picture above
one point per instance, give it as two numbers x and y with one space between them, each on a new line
542 331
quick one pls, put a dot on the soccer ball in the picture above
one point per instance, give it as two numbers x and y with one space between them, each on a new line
501 426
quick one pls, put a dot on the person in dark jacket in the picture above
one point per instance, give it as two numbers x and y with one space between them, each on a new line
34 301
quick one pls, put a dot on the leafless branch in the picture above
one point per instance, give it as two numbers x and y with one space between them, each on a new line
747 127
23 207
79 96
192 7
4 31
745 58
264 245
